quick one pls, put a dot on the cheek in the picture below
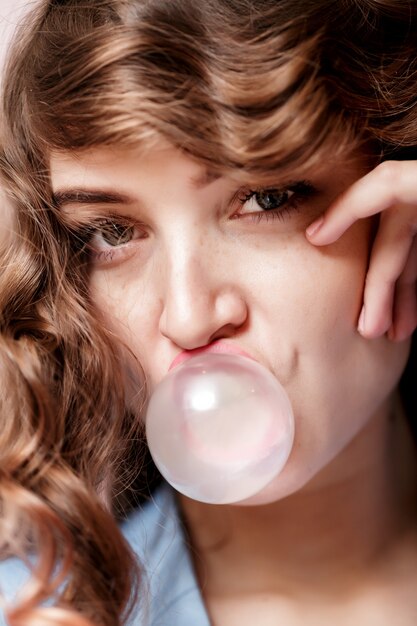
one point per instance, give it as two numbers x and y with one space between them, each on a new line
129 308
113 303
338 379
121 301
324 313
116 304
329 355
329 288
310 314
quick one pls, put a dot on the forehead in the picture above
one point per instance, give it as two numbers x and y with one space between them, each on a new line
103 168
99 162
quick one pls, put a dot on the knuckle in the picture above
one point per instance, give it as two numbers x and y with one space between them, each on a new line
390 173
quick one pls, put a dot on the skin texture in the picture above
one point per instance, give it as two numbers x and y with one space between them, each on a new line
390 299
194 273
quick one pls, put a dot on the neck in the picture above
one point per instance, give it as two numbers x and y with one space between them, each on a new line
325 535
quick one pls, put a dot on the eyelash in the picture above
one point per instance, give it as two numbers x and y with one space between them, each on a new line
84 235
300 190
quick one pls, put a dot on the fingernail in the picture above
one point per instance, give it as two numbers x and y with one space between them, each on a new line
361 323
315 227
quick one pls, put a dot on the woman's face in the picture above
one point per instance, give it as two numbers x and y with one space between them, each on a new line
185 260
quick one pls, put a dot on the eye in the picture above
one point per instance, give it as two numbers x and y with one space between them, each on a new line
275 202
105 238
114 233
270 199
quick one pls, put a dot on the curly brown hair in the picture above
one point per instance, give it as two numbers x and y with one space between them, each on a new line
246 86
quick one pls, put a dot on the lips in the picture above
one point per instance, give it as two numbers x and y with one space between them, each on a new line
218 347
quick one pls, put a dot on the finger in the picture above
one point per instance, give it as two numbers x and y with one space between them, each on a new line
389 256
390 183
405 300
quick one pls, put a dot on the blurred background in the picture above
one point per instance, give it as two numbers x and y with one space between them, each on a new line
10 13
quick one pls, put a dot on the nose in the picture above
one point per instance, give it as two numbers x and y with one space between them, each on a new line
201 302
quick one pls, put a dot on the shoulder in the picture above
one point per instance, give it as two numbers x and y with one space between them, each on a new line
157 536
170 592
13 576
153 523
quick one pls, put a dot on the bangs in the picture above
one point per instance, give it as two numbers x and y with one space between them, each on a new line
245 102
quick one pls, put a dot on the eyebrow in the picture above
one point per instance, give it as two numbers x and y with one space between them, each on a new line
89 196
208 177
99 196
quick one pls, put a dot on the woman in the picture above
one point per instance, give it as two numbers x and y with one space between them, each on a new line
164 160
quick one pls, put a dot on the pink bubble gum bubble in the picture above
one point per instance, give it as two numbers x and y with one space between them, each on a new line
220 427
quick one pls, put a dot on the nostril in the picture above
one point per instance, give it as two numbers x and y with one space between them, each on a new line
228 330
193 320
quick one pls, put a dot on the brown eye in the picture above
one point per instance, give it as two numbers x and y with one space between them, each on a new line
270 199
115 234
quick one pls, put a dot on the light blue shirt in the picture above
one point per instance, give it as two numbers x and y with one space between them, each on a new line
170 595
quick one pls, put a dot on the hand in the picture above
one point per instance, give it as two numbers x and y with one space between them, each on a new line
390 296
